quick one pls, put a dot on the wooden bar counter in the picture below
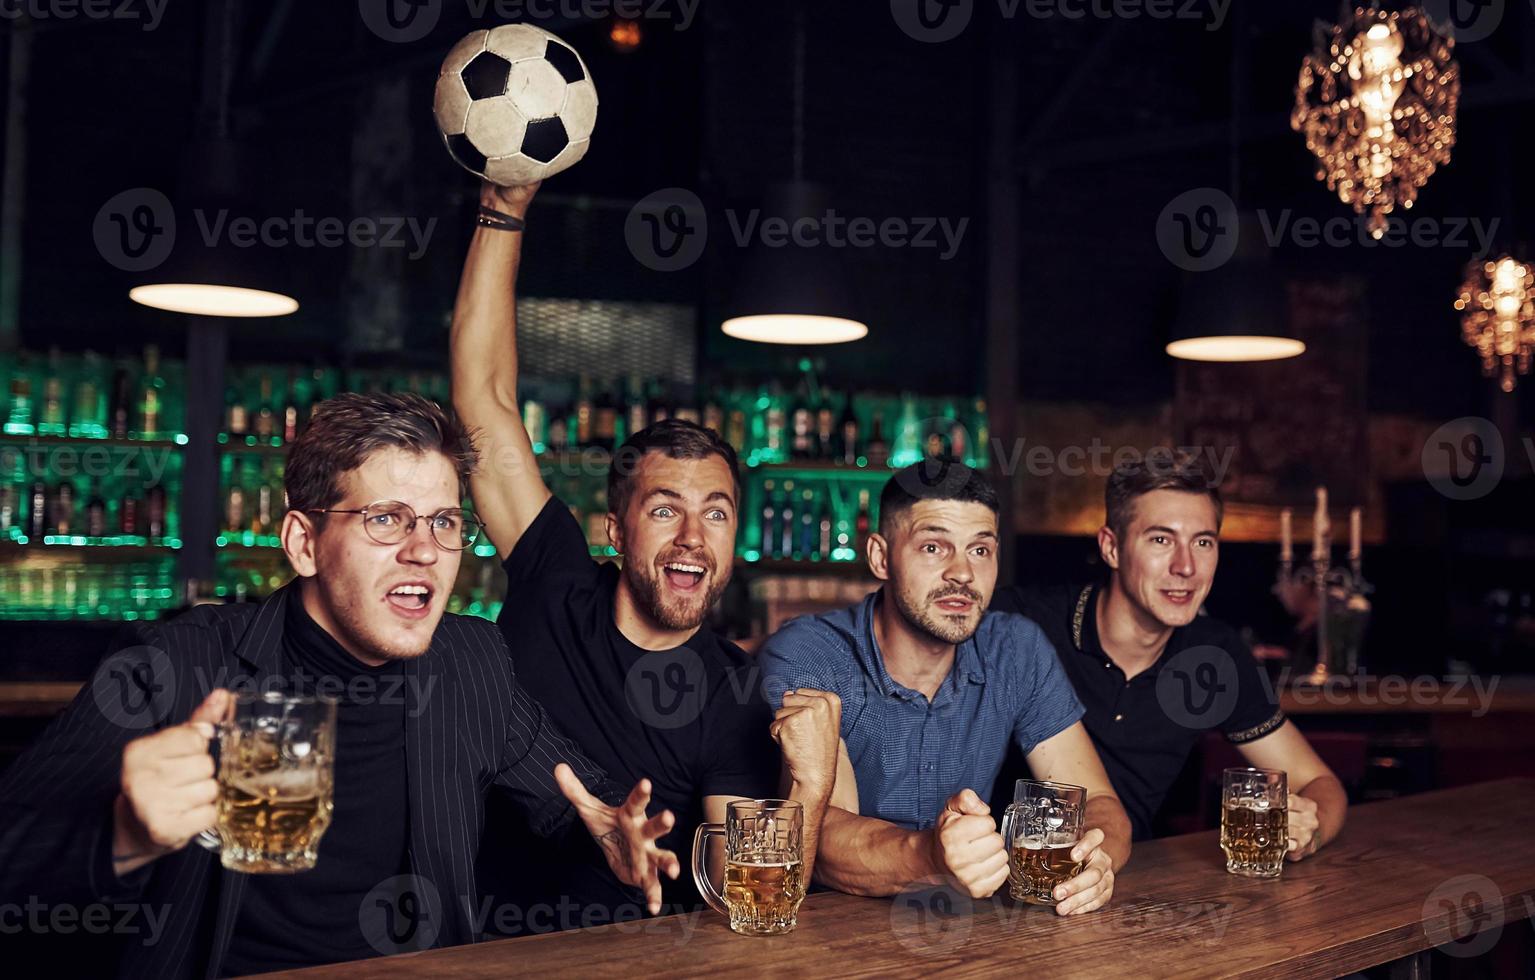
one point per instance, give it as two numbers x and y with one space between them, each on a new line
1451 868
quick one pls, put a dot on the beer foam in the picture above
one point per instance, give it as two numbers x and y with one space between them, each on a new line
282 784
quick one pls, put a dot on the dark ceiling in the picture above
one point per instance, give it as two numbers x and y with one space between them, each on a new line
1116 116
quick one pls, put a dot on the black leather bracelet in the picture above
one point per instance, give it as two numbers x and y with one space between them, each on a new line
500 221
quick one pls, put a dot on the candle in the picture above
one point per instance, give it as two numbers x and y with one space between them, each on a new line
1320 528
1355 529
1286 548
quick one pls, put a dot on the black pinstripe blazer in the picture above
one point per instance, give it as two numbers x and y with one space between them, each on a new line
474 728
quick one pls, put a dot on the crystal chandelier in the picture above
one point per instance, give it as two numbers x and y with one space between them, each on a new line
1376 101
1497 316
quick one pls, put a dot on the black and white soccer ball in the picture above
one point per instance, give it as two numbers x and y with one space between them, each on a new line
515 104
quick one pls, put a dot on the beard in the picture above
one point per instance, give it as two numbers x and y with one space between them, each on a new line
677 614
946 629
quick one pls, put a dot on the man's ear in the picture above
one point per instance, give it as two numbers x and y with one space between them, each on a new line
615 532
298 542
877 550
1108 547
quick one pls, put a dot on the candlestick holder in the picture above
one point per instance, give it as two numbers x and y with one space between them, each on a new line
1342 610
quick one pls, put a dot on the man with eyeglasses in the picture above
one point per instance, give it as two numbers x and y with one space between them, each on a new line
102 807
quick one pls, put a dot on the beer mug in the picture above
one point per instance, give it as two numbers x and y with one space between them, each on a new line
1255 810
1039 830
764 865
276 775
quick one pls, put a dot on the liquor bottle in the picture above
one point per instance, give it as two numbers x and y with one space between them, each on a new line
861 526
154 512
290 409
802 425
878 451
714 417
959 437
769 524
559 434
128 515
658 406
847 430
605 421
786 524
825 430
263 520
774 445
236 418
9 517
582 436
266 414
62 520
37 510
735 430
908 433
805 546
634 413
120 408
535 421
95 512
234 505
86 420
51 420
982 449
19 421
823 544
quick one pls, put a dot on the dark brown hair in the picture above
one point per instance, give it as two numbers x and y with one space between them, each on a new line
1159 469
351 427
934 478
678 439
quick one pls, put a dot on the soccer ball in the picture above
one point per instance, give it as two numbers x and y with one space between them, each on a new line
515 104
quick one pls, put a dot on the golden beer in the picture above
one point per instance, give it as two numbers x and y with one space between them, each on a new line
1035 868
1254 838
275 783
764 865
763 895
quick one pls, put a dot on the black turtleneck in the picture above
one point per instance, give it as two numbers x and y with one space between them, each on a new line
311 917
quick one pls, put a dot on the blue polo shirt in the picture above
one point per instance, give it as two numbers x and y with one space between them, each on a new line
910 754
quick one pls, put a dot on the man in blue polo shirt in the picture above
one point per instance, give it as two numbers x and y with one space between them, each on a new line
934 689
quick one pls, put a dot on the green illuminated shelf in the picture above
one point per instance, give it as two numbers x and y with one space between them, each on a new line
11 438
91 549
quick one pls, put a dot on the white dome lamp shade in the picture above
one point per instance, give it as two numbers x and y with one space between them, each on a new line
1238 312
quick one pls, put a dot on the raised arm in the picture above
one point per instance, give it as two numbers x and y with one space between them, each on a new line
507 488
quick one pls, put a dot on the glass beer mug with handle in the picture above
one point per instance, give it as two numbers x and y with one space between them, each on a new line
764 865
1039 830
1255 813
276 777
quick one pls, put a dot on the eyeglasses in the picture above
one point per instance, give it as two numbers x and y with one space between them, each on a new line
391 522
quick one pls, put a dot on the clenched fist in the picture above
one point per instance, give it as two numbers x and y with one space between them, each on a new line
967 846
808 730
169 788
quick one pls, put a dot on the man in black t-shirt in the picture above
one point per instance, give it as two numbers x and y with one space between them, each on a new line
619 655
1154 674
